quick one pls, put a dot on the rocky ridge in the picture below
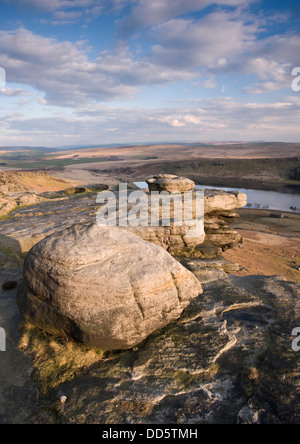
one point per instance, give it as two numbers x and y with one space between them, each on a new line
228 359
18 189
48 217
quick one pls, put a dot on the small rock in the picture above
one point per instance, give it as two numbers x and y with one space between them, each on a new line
63 399
170 183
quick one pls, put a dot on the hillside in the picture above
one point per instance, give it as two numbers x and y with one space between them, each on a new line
18 189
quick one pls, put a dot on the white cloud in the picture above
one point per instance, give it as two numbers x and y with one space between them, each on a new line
148 13
67 15
54 5
64 72
71 11
260 88
13 92
199 44
211 119
180 48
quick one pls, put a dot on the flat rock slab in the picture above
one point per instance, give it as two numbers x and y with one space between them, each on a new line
170 183
218 200
28 226
228 359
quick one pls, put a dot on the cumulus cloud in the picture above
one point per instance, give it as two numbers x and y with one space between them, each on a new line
199 44
260 88
149 13
63 12
222 118
54 5
8 92
68 77
180 48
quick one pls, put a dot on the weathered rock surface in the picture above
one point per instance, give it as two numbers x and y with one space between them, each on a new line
10 203
27 226
19 394
103 286
170 183
219 233
229 359
7 262
217 200
21 188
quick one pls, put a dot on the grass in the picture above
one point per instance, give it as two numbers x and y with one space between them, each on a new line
17 208
6 216
40 163
17 256
56 360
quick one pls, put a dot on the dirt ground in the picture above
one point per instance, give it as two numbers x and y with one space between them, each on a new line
271 246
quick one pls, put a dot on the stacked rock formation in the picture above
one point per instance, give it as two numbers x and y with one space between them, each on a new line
170 183
217 235
49 217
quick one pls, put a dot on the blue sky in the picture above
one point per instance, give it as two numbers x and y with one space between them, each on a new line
82 72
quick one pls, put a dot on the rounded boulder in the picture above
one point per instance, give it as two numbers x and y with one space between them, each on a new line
103 286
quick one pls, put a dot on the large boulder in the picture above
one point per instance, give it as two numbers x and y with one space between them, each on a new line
218 200
103 286
170 183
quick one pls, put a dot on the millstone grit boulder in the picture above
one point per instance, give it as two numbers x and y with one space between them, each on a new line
103 286
170 183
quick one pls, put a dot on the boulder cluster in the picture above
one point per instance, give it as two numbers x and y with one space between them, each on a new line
111 287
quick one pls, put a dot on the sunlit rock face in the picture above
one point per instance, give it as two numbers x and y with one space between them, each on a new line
103 286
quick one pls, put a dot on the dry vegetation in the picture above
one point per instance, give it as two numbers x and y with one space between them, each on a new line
56 360
271 246
39 182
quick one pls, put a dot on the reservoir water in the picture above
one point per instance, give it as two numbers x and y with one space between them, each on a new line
271 200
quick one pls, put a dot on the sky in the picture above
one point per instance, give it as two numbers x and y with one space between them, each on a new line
88 72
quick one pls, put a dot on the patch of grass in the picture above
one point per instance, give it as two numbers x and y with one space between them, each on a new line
17 256
56 360
6 216
183 379
17 208
42 163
